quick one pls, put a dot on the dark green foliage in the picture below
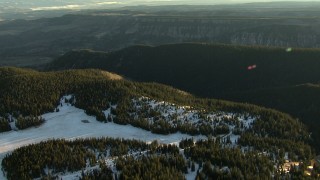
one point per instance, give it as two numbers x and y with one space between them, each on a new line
162 127
25 122
105 173
154 167
119 150
193 167
31 93
208 70
4 125
249 162
302 101
186 143
56 155
296 150
220 71
223 129
61 156
189 129
161 162
249 165
155 161
316 169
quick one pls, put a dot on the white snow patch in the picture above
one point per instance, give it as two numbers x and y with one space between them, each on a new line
67 124
234 138
286 156
192 175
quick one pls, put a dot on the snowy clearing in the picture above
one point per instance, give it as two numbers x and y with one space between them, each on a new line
73 123
68 124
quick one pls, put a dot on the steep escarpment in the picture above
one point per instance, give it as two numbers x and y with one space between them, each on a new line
36 42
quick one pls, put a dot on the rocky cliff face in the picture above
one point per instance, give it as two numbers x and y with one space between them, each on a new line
270 32
264 39
38 41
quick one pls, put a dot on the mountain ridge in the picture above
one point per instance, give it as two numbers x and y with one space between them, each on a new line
36 42
201 55
219 71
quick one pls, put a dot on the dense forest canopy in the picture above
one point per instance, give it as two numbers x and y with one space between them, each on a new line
31 93
203 64
26 94
286 79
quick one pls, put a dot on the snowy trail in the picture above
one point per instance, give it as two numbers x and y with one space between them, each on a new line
67 124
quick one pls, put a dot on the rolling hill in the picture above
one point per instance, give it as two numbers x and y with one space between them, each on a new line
272 77
239 138
202 64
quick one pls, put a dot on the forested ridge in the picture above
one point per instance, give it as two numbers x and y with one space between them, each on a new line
210 69
27 94
286 79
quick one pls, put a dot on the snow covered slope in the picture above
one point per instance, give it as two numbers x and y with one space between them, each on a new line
71 123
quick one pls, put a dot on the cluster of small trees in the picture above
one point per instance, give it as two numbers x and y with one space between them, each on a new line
152 167
60 156
231 163
296 150
104 173
222 162
32 93
48 158
4 125
216 161
25 122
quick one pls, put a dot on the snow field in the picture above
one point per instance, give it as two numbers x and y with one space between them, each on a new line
67 124
72 123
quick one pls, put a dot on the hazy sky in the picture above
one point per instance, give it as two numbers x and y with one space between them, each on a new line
87 4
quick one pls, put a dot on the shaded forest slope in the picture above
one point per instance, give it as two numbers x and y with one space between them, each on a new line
280 78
